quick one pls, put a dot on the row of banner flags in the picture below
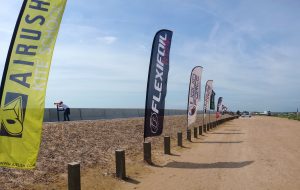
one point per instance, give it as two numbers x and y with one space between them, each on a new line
157 88
25 76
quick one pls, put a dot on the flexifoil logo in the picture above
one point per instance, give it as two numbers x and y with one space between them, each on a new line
13 115
154 123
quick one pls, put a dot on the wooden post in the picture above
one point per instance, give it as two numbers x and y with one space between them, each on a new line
200 130
74 176
189 135
195 132
179 138
120 164
167 144
147 152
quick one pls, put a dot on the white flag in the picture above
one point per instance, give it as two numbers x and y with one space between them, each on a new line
194 94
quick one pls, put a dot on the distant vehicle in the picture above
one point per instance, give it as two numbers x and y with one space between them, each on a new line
246 114
268 113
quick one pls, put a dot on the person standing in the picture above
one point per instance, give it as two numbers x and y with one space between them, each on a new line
66 110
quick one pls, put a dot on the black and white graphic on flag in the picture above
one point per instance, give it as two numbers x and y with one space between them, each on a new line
194 94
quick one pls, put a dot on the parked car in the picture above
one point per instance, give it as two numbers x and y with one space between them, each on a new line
246 114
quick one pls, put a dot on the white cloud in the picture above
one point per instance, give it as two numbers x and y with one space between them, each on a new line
214 31
107 39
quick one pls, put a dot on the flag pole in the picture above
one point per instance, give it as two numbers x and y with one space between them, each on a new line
203 118
209 117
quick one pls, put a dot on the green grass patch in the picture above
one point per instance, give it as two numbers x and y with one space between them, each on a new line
289 116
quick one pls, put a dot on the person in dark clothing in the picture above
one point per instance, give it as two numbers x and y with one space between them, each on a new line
66 110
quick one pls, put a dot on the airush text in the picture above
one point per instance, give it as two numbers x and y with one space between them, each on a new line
32 44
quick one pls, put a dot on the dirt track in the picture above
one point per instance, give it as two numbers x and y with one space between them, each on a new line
256 153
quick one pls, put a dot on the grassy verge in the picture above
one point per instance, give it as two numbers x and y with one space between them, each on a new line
289 116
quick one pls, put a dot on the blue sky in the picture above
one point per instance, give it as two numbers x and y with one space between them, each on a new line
101 59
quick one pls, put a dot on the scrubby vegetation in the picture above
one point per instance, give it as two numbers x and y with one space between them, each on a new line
292 115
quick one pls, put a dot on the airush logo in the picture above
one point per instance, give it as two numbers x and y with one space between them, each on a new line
13 115
162 58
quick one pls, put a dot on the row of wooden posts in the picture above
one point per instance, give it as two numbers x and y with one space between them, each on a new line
74 167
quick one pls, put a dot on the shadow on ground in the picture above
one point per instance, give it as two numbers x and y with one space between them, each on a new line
172 154
189 165
131 180
185 147
232 130
221 142
227 133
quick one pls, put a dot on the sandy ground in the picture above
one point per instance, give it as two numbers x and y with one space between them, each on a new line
247 153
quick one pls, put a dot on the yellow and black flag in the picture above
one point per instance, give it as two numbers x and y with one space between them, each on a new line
24 81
